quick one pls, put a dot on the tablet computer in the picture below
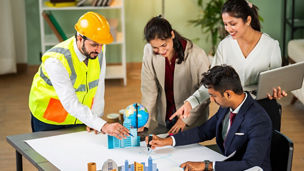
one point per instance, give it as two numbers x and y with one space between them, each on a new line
289 78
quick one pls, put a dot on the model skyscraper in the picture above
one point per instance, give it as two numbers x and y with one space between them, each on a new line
131 141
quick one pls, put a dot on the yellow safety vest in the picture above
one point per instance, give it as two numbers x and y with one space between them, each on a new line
43 100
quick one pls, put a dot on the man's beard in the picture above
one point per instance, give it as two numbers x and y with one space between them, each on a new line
88 55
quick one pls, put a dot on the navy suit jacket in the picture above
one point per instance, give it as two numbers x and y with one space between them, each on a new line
249 137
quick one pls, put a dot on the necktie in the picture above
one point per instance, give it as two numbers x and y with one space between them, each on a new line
86 61
231 117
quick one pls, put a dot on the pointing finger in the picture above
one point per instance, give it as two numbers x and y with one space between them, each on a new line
174 115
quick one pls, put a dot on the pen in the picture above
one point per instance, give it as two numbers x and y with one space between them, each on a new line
131 134
148 145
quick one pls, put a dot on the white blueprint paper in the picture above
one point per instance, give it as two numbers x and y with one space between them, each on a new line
73 151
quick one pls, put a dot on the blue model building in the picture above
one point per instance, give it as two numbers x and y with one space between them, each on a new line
151 166
131 141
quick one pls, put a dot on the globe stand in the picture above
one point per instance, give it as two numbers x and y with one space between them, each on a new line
136 107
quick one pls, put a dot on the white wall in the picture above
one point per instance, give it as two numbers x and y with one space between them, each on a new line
19 27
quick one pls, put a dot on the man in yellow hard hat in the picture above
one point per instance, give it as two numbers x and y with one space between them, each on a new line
68 89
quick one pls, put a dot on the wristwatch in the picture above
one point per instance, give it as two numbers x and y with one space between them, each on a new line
206 165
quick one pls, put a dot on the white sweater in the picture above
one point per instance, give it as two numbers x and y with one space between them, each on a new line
266 55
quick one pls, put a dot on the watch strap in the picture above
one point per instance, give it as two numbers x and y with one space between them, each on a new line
206 165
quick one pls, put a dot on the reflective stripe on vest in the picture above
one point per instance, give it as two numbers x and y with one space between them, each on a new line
44 102
67 54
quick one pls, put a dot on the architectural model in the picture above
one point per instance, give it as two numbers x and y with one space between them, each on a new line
140 166
131 141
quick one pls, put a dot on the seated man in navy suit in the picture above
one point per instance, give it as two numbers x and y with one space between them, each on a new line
241 126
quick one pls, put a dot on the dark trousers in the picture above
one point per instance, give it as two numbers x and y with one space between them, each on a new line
274 110
37 125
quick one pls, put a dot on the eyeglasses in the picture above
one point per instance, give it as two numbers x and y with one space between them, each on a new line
92 43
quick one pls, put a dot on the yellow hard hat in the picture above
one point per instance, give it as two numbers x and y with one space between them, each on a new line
95 27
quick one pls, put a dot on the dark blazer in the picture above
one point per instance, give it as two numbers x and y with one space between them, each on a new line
249 137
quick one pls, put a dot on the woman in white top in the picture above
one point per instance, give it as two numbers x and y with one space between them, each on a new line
248 51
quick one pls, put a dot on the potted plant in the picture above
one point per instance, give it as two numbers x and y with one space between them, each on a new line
210 21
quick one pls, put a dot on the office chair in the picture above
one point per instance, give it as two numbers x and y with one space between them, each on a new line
281 152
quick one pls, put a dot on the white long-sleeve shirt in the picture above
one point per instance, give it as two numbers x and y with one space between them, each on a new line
266 55
63 86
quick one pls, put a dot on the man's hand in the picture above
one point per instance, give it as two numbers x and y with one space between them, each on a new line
197 166
116 130
178 126
277 94
159 142
183 111
91 129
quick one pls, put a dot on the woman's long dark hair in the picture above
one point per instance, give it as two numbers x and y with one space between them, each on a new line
243 9
160 28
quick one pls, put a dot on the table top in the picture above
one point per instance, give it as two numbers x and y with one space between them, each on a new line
17 141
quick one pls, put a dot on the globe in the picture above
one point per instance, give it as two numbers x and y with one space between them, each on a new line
142 115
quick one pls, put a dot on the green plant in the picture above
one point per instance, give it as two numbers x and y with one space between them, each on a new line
210 20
